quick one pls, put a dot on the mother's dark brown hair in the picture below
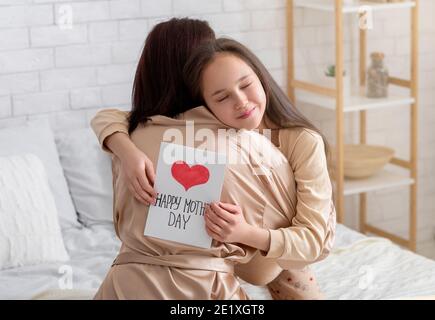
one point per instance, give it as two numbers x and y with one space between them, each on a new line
158 87
279 108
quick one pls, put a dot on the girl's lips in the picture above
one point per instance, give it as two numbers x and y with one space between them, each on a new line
246 114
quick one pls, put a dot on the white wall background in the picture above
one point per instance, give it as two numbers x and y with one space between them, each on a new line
68 74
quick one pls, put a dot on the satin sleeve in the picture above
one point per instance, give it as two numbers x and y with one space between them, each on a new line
310 236
107 122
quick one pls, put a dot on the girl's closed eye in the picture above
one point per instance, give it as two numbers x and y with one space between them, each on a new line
242 87
246 85
222 99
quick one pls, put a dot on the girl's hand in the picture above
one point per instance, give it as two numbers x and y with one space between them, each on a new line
137 170
225 222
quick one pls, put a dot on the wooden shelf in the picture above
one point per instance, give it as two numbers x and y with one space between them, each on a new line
355 103
328 5
402 173
385 179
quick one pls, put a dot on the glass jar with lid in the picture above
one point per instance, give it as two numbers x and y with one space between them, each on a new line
377 77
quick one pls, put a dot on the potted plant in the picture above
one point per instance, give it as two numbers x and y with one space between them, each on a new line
330 80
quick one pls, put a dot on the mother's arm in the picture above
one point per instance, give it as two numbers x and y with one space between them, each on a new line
111 128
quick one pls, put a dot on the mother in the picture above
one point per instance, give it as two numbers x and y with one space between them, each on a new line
158 89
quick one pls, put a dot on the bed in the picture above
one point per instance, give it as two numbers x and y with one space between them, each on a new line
79 177
359 267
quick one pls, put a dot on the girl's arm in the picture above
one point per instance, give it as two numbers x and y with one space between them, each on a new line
111 128
310 235
312 231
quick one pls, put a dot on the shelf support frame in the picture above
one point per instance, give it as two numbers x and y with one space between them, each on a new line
290 52
414 125
412 84
362 119
339 112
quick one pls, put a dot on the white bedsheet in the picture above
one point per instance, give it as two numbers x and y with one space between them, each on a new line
375 268
358 268
91 250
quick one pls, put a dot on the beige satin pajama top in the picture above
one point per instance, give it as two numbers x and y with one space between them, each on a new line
288 192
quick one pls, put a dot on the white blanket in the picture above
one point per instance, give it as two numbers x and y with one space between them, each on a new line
375 268
358 268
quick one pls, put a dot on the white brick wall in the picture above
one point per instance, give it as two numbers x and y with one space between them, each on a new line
19 38
24 16
84 11
5 106
83 55
65 59
25 60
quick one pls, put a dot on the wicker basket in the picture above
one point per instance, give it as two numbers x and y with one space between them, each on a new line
362 161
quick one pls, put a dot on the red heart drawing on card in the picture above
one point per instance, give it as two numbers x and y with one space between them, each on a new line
189 176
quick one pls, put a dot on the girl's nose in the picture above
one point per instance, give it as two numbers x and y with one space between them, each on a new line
241 101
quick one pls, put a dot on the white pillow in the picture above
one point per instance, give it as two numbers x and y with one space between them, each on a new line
88 171
37 138
29 225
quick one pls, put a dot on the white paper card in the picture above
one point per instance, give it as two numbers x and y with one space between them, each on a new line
186 180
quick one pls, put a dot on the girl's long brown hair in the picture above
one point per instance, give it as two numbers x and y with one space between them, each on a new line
158 87
279 108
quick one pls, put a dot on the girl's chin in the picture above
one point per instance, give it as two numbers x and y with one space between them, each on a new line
251 125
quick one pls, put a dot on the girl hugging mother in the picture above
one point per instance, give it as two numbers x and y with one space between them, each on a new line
268 227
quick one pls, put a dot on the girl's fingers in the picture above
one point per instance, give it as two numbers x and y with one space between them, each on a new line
132 190
141 200
229 207
150 172
140 194
143 183
213 217
212 234
221 213
213 225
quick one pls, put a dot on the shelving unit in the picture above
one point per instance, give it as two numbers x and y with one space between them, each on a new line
333 99
353 8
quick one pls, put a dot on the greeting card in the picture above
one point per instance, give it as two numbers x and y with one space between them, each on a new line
186 180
